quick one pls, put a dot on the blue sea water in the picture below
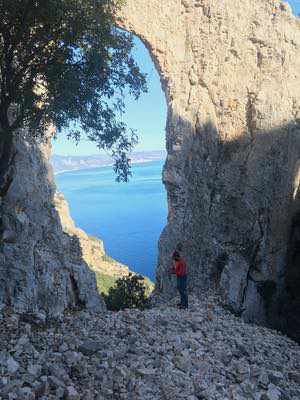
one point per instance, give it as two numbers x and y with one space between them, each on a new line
128 217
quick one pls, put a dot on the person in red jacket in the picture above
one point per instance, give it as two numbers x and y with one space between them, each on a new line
180 270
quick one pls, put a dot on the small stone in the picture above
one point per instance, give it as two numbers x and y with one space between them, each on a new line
193 78
41 389
55 382
63 348
294 376
146 371
185 3
26 393
72 393
241 349
60 393
182 363
12 365
3 381
58 371
273 393
73 358
9 236
276 377
90 347
35 370
263 380
226 358
242 372
28 329
41 317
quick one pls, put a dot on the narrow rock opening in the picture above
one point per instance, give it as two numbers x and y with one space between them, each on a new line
121 223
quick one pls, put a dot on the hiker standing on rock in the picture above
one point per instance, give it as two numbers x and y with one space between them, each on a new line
180 270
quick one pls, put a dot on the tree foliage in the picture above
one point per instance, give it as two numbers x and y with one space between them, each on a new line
128 292
63 62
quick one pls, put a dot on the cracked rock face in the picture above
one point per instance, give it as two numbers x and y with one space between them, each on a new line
42 270
231 74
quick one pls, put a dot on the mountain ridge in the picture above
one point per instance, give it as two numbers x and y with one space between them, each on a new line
64 163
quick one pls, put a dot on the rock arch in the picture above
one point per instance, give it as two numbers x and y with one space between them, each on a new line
231 74
230 71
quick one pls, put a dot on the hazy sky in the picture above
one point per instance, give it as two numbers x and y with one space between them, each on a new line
295 5
147 115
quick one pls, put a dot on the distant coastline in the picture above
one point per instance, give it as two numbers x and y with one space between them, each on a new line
83 168
62 164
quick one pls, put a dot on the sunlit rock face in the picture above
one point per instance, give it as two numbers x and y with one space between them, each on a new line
230 70
41 267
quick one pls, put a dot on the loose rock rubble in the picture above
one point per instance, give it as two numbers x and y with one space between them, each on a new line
162 353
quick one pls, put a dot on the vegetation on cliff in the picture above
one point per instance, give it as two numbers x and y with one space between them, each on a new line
105 281
127 292
108 271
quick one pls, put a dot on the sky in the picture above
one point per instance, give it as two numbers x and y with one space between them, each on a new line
147 115
295 6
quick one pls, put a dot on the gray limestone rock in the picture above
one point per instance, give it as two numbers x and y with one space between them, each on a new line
185 361
232 85
233 282
12 365
72 393
42 268
89 347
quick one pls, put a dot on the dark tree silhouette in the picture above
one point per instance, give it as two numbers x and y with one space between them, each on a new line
64 63
128 292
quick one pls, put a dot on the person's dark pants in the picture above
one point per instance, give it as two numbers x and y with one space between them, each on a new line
182 289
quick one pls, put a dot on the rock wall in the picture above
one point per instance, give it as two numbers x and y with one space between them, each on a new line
230 70
41 267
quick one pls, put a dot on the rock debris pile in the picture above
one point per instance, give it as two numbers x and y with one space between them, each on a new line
162 353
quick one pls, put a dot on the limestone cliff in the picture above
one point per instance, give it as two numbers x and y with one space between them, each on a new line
46 262
41 267
230 70
92 250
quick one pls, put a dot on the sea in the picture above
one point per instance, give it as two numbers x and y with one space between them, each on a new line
128 217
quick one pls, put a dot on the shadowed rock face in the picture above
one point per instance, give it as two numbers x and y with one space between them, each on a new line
231 74
41 267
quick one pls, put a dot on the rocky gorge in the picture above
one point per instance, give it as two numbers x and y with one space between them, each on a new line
231 74
231 173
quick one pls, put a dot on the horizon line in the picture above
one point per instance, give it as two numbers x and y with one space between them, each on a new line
103 154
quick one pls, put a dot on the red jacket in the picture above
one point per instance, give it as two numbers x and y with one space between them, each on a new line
180 268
